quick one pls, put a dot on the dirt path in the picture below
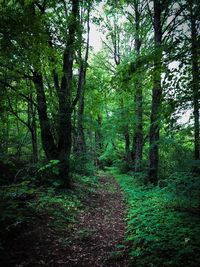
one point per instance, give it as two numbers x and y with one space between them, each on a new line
100 229
95 241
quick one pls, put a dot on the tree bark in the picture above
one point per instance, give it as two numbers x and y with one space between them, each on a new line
98 136
34 146
64 95
137 151
137 148
81 146
48 144
33 129
156 97
195 83
127 145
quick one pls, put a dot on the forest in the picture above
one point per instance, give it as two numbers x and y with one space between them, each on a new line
100 134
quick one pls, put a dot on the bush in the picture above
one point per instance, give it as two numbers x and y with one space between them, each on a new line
25 203
48 174
109 156
184 187
82 164
123 166
175 156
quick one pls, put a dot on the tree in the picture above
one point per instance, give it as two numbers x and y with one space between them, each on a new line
137 145
163 37
195 75
80 141
50 64
156 94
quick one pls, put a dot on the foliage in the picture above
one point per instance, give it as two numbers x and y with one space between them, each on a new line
159 233
109 156
185 188
82 164
122 106
25 205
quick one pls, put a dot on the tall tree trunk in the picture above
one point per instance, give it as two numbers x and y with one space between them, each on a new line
138 100
65 105
34 137
137 150
156 97
81 146
74 131
195 83
126 134
34 145
98 136
127 146
46 135
116 55
48 143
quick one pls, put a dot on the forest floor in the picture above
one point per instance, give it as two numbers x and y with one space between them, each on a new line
95 240
100 229
107 220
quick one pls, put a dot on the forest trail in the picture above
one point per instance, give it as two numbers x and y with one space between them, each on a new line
102 228
95 240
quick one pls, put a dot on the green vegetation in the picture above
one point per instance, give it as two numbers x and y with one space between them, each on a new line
90 86
25 206
162 225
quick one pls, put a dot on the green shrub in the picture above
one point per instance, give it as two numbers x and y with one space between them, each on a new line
123 166
184 187
82 164
109 156
24 203
48 173
158 235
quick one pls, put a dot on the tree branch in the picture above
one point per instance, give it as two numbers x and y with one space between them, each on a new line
173 20
19 93
17 116
83 67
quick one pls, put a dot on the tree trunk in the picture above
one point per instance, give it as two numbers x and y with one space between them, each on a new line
34 146
137 149
81 146
46 135
98 136
127 146
65 105
34 136
138 101
33 129
156 97
195 83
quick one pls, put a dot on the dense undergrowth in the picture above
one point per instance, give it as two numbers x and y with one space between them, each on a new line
27 205
162 223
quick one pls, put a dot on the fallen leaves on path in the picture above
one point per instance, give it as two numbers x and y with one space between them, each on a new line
96 240
101 229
